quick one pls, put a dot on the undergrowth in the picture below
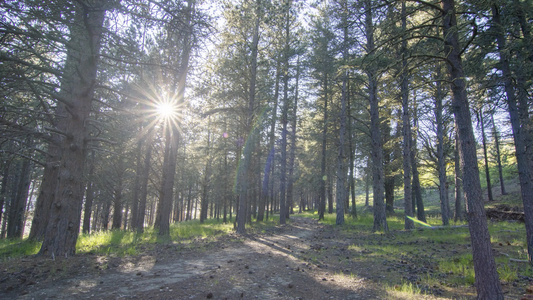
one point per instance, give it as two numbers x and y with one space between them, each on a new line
121 243
441 255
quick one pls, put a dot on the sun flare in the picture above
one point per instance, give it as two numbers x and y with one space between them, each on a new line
166 110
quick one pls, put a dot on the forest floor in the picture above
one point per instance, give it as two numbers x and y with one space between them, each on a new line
301 260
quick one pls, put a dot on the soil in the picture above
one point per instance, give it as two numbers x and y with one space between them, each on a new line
300 260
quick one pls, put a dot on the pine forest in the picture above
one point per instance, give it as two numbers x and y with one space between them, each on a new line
266 149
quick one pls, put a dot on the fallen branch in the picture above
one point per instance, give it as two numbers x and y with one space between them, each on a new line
514 259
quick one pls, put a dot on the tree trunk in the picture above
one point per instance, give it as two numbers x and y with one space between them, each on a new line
486 279
351 150
378 184
406 130
136 185
79 77
441 159
341 156
162 221
496 137
519 134
292 153
485 155
458 215
417 191
367 181
269 166
3 189
49 181
89 197
244 172
17 209
144 187
117 200
207 175
323 177
284 119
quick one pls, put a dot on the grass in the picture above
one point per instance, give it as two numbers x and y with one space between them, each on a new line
127 243
404 290
15 248
445 253
123 243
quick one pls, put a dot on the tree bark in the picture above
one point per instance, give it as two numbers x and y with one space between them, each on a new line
79 77
323 178
89 197
485 155
378 184
17 209
417 191
496 137
486 279
519 133
143 193
48 188
284 118
458 215
245 163
406 130
441 159
117 199
3 189
292 153
341 156
269 166
162 221
207 176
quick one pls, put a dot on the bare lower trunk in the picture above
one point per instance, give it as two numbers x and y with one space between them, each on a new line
496 137
292 153
89 196
458 215
62 229
485 156
519 125
417 191
17 209
378 177
486 279
167 190
441 159
323 177
143 193
406 132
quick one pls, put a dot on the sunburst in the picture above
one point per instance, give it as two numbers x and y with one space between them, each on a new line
162 109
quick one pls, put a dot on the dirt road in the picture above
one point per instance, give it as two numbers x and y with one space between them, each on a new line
302 260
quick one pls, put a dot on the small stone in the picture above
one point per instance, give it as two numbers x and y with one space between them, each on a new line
209 295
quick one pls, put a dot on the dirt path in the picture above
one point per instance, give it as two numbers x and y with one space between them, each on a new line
301 260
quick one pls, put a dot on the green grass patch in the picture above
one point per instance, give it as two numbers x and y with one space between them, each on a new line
440 258
462 266
404 290
122 243
14 248
194 229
